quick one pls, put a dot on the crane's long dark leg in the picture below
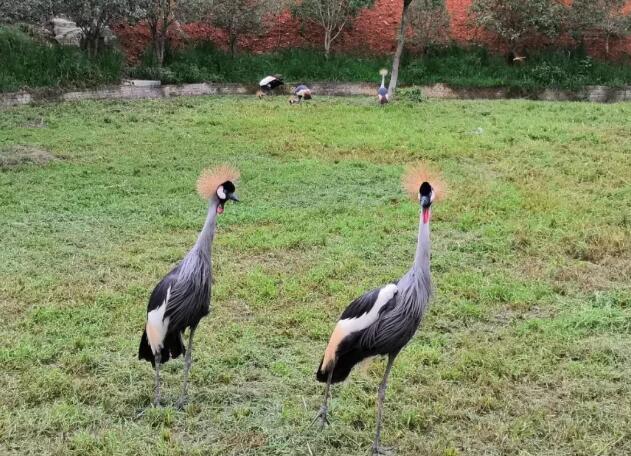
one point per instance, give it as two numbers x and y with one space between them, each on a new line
323 413
381 395
158 359
188 361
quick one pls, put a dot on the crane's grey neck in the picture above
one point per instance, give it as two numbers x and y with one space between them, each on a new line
206 236
383 81
416 284
415 287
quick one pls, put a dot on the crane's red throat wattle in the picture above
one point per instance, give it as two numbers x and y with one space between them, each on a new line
220 209
427 214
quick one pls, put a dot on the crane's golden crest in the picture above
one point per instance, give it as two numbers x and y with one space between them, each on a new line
210 179
383 72
418 173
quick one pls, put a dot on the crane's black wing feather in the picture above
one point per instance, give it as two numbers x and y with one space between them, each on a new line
361 305
190 296
394 328
172 346
159 293
353 348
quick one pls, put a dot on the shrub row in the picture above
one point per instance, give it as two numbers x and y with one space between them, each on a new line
27 63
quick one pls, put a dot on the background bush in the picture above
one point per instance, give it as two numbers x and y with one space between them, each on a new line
457 66
29 63
26 63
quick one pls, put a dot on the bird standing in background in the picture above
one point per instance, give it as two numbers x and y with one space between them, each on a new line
269 83
301 92
382 93
382 321
182 298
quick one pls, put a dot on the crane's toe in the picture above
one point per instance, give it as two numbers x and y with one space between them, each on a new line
378 450
322 416
182 402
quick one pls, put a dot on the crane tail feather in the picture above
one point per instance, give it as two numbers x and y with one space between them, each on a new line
173 346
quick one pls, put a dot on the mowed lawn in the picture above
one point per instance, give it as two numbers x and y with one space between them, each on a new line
526 349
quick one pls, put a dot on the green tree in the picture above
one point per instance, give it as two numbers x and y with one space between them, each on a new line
93 16
514 21
429 22
421 11
238 17
331 15
604 17
162 14
31 11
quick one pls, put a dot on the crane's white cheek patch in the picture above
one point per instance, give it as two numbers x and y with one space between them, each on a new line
157 325
220 192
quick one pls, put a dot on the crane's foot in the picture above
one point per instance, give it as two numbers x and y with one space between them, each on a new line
378 450
321 417
182 402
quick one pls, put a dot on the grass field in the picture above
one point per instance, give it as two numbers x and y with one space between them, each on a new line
525 351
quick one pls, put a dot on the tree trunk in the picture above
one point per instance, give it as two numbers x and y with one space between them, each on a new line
394 76
90 41
327 43
158 48
94 48
153 30
158 45
158 31
233 44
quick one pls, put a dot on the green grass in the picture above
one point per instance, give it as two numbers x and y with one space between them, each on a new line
527 346
27 64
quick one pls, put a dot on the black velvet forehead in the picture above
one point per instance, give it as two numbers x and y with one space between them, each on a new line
228 187
425 189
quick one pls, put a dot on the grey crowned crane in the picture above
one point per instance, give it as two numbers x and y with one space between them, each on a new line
269 83
182 298
382 321
300 92
382 93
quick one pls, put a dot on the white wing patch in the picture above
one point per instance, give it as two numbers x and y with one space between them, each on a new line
350 325
266 80
157 325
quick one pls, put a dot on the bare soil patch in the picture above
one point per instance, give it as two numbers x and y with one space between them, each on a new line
16 155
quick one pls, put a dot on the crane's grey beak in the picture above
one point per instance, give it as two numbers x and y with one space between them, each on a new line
425 201
233 197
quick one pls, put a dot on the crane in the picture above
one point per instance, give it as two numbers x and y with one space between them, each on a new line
182 298
300 92
382 321
382 93
268 84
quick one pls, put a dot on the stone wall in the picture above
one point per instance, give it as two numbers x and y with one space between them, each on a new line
131 91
